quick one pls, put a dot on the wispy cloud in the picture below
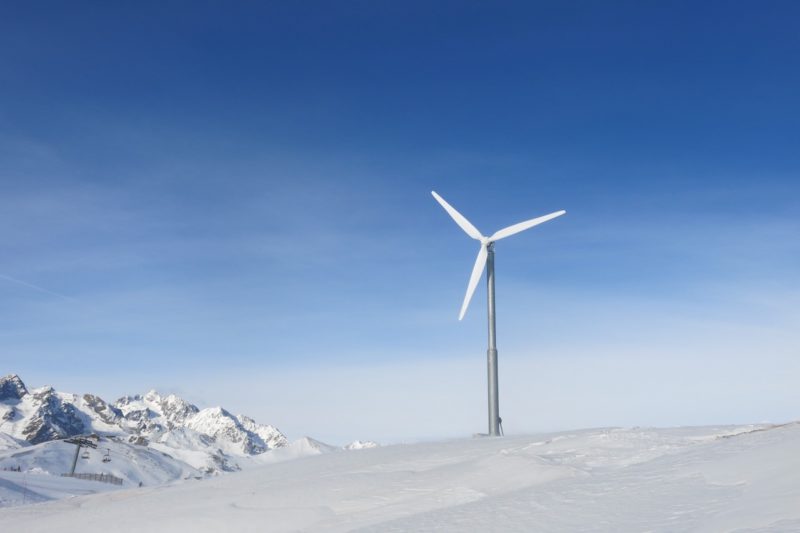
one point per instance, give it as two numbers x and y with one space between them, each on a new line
37 288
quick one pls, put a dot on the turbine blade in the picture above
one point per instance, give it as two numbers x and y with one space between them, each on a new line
463 223
522 226
477 270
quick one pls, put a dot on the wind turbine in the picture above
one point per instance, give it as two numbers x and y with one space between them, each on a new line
486 259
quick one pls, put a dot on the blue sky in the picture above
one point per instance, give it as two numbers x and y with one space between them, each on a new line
232 202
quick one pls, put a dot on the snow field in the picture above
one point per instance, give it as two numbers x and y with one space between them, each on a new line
685 479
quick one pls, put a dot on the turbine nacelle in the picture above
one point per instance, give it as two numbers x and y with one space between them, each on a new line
486 242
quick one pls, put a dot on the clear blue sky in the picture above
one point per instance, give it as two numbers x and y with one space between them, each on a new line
232 201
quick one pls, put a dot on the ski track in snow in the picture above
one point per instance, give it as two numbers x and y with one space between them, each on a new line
744 479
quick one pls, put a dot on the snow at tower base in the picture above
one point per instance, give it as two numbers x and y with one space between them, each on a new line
744 478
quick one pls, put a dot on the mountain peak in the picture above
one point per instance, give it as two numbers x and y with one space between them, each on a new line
12 388
152 396
312 446
361 445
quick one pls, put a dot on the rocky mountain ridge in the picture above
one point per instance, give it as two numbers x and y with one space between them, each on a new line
167 423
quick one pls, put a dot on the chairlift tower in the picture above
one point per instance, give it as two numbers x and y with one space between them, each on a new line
79 442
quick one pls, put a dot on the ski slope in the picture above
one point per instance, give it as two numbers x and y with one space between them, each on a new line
684 479
23 488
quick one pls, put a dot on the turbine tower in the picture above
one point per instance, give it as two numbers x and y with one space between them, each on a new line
486 259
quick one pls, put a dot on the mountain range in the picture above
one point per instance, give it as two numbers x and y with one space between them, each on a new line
203 441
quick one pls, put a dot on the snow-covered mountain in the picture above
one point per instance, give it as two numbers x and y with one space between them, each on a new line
361 445
153 417
207 440
37 416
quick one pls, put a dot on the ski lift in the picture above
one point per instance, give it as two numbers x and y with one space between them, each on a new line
107 456
85 454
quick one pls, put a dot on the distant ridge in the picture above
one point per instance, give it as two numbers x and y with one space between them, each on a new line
214 436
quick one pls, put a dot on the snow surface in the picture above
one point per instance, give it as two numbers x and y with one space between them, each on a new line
7 442
21 488
684 479
151 465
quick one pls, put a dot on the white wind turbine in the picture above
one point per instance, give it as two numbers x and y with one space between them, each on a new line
486 259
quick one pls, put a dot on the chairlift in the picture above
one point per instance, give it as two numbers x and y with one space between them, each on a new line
85 454
107 456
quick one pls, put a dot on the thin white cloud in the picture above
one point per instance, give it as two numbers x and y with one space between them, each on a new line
37 288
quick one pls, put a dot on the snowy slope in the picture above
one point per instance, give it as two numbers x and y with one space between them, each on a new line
22 488
130 462
7 442
152 465
41 465
686 479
